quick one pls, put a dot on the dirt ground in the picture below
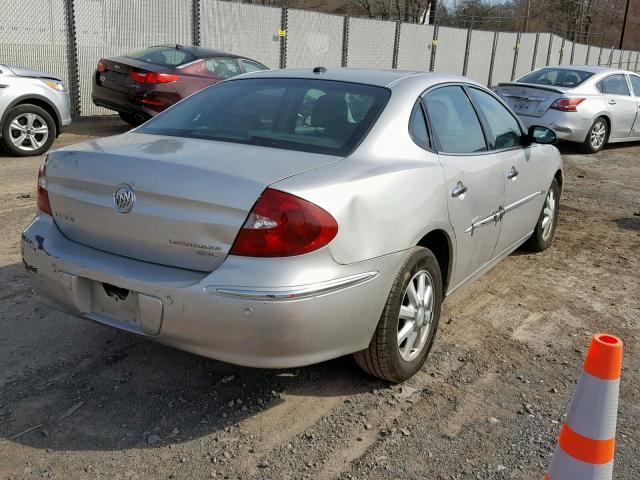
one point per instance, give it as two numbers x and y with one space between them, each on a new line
81 401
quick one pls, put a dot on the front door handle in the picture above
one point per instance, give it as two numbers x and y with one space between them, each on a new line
4 86
612 102
459 190
512 174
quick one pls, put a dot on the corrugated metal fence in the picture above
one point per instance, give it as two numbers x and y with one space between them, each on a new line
68 37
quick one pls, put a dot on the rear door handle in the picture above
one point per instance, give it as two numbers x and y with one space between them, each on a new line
512 174
459 190
612 102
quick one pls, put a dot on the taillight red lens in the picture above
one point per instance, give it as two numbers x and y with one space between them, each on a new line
42 195
101 67
566 104
283 225
153 77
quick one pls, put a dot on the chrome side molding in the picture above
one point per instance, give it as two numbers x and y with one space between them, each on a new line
296 292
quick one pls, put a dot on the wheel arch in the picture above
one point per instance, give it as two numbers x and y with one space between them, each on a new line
441 244
38 101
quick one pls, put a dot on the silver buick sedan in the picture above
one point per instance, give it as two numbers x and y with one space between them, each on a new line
284 218
589 105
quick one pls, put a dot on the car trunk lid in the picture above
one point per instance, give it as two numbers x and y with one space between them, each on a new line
116 74
190 196
528 98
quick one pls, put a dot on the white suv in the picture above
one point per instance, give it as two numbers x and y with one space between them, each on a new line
34 106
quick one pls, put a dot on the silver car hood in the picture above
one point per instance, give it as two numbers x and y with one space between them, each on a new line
25 72
191 196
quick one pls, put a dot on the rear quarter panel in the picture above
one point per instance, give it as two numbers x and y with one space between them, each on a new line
385 196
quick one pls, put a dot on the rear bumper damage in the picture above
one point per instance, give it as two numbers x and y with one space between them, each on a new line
569 126
318 309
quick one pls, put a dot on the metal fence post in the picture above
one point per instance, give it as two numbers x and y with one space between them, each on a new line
561 51
586 61
345 40
516 49
549 49
195 22
610 57
535 52
434 47
283 37
73 72
396 45
637 57
467 50
493 57
573 50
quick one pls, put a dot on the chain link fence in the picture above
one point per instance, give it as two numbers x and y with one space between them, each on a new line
67 38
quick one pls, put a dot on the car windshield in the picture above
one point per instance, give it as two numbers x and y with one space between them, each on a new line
168 56
557 77
308 115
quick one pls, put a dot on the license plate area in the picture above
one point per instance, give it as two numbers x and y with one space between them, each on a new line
114 302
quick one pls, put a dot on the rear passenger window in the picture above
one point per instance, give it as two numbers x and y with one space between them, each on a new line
418 127
250 66
616 85
222 67
454 121
635 83
505 129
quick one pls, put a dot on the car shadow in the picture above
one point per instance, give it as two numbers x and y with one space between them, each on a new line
69 384
629 223
573 148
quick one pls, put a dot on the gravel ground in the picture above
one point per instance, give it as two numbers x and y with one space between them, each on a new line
80 400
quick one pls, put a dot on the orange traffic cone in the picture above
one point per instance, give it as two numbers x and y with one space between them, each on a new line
587 438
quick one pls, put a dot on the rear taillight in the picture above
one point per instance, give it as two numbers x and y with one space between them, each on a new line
42 195
101 67
566 104
282 225
153 77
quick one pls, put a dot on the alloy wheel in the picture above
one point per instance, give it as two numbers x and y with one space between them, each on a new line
548 215
598 134
28 131
416 316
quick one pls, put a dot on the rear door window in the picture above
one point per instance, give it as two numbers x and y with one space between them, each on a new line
222 67
250 66
309 115
616 85
454 121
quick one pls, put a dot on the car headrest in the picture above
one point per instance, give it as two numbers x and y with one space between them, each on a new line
328 110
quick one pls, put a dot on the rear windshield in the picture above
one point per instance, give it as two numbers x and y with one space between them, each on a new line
168 56
556 77
317 116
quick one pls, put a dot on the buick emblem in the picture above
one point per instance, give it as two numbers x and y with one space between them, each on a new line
124 198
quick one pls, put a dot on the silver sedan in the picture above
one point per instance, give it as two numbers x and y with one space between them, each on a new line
284 218
589 105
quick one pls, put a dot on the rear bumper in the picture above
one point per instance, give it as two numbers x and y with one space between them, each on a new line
318 309
570 126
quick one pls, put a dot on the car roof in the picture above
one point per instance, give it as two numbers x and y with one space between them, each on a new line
367 76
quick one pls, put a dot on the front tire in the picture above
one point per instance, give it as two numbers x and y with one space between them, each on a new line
406 330
545 229
596 137
28 131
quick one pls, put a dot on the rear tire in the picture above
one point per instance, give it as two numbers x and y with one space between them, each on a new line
597 136
132 119
28 130
387 357
542 236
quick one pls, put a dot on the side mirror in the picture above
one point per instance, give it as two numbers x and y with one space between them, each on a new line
540 134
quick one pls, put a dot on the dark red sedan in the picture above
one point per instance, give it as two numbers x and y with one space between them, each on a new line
140 85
